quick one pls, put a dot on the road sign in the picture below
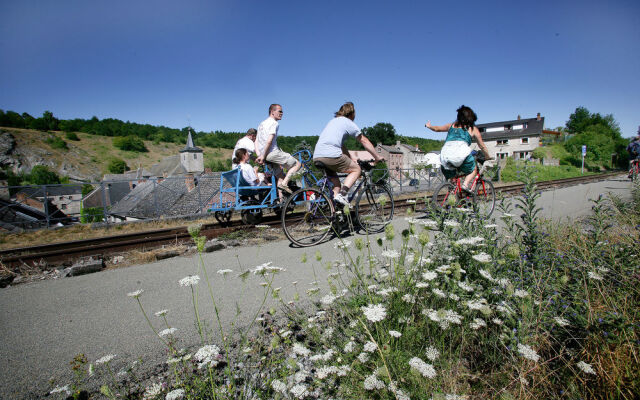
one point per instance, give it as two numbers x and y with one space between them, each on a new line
584 150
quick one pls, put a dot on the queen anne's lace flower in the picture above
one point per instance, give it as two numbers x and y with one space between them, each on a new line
328 299
429 276
370 347
175 394
168 331
161 313
224 272
595 276
375 312
432 353
390 254
105 359
207 355
190 280
586 368
60 389
299 391
465 286
470 241
521 293
349 347
395 334
373 383
363 357
482 257
527 352
451 223
151 391
409 298
279 386
300 350
561 321
135 294
477 324
422 367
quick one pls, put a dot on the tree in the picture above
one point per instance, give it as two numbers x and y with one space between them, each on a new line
117 166
42 175
381 133
582 118
50 122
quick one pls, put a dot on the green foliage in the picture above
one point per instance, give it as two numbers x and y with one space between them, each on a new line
91 214
381 133
72 136
117 166
56 142
42 175
130 143
511 171
218 165
86 189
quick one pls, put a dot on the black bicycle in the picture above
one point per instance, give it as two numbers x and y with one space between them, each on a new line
310 213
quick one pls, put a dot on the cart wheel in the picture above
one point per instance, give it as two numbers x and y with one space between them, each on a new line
251 218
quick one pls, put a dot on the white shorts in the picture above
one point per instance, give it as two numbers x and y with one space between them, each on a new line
278 159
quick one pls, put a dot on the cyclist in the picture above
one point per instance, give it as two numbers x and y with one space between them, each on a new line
330 150
455 155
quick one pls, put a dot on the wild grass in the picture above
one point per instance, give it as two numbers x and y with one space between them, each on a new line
511 171
457 311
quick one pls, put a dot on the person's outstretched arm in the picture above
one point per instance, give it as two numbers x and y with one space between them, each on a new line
441 128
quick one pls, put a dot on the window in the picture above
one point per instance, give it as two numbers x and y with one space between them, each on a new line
521 155
524 140
502 142
63 206
507 127
195 156
501 156
517 127
379 149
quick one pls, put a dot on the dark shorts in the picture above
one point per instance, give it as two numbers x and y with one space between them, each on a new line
466 168
337 164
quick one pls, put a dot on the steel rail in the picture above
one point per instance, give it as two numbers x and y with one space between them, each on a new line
56 253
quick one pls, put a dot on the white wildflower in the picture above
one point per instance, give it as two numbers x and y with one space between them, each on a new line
465 286
443 268
349 347
370 347
300 350
410 201
373 383
527 352
299 391
105 359
390 254
422 367
375 312
151 391
497 321
363 357
477 324
135 294
409 298
262 268
343 370
300 376
470 241
507 215
432 353
395 334
278 386
439 293
168 331
386 292
428 223
372 287
586 368
482 257
454 297
561 321
190 280
491 226
594 275
477 304
604 270
224 272
486 275
325 371
429 276
328 299
175 394
161 313
451 223
207 355
422 285
313 290
343 244
520 293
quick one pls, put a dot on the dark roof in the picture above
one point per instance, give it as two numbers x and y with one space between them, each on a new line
15 216
169 166
52 190
534 128
190 147
390 149
412 148
167 197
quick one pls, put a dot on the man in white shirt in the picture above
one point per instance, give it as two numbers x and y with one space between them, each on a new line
246 142
267 149
331 151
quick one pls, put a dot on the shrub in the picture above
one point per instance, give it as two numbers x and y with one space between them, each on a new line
56 143
218 165
91 214
72 136
117 166
42 175
130 143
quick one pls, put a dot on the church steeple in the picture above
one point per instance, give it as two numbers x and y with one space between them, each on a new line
191 157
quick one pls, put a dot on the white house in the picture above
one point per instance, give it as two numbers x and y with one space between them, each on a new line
517 138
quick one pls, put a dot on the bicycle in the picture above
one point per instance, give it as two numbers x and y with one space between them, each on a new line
482 198
310 213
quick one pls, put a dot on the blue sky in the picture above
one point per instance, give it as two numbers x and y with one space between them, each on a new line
217 65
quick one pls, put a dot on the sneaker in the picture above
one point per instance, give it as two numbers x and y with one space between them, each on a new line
466 189
339 198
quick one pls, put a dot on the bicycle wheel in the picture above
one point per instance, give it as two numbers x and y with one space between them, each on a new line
485 198
447 197
374 207
307 216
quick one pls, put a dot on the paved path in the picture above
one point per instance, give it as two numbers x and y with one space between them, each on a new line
43 325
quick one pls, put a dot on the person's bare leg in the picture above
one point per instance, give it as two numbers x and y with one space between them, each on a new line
469 178
291 171
353 174
336 184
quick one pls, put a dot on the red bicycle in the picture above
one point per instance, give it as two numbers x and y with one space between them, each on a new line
481 199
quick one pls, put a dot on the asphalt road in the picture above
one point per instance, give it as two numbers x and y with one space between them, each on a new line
43 325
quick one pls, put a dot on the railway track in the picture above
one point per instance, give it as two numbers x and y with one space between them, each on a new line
58 253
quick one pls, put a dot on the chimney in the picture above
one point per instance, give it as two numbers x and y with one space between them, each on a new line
518 117
538 116
417 148
189 182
